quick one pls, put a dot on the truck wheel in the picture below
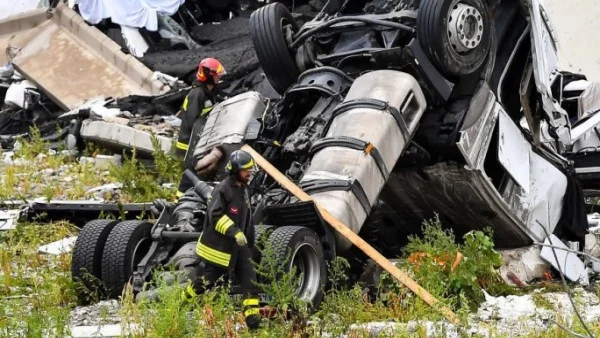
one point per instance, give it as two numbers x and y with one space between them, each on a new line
300 247
261 236
86 261
125 247
268 27
455 34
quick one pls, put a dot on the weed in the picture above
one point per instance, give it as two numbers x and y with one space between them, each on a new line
168 167
541 302
31 148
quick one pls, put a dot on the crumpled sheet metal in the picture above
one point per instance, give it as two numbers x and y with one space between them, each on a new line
589 100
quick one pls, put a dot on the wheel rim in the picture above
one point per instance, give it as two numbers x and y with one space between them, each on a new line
465 28
140 250
307 265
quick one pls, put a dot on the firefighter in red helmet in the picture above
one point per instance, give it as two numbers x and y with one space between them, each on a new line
194 111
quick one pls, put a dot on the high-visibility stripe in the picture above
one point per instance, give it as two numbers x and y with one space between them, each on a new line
250 302
213 259
214 252
213 255
248 165
182 146
223 224
253 311
205 111
185 103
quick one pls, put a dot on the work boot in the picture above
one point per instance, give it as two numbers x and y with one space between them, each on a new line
253 320
252 313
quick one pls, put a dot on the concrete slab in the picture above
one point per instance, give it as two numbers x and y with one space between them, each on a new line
72 62
121 136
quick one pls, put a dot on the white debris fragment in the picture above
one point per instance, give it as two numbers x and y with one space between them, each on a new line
593 221
59 247
112 330
7 157
525 263
102 162
375 329
111 187
510 307
568 262
8 219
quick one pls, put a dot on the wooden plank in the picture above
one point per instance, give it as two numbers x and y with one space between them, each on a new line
400 275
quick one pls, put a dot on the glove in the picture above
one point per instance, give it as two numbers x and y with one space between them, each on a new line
240 238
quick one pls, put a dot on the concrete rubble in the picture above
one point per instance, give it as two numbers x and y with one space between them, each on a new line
59 247
526 263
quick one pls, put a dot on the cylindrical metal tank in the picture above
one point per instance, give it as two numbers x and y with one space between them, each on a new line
369 132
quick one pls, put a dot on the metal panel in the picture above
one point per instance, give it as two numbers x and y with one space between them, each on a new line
228 121
513 151
476 134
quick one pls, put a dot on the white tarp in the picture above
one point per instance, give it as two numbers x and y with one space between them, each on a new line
10 8
133 13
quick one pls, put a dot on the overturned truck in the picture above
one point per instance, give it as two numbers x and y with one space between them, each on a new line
452 107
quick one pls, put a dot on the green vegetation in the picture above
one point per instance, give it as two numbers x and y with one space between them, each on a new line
37 294
37 172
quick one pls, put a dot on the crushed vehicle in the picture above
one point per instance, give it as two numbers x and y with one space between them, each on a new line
450 107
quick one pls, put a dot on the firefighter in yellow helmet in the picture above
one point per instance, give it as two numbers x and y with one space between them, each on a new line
194 111
228 234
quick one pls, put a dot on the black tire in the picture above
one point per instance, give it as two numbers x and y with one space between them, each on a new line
302 248
125 247
433 35
261 236
276 59
86 261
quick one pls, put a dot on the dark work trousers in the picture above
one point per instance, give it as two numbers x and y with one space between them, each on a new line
243 270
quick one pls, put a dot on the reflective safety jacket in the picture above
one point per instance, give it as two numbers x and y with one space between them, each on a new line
197 104
228 214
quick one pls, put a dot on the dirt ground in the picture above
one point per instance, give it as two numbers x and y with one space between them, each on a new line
577 26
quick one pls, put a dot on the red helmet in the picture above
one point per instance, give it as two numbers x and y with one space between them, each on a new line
210 68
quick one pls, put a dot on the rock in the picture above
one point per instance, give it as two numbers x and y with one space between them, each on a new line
102 162
48 172
374 329
525 263
59 247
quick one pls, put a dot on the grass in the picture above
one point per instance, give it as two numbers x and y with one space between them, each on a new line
37 172
37 296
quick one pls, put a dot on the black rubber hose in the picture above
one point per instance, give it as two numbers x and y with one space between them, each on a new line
200 187
329 23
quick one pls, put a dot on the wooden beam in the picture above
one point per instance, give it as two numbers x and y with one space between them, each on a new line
400 275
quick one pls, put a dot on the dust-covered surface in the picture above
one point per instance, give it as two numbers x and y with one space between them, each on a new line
229 42
577 25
